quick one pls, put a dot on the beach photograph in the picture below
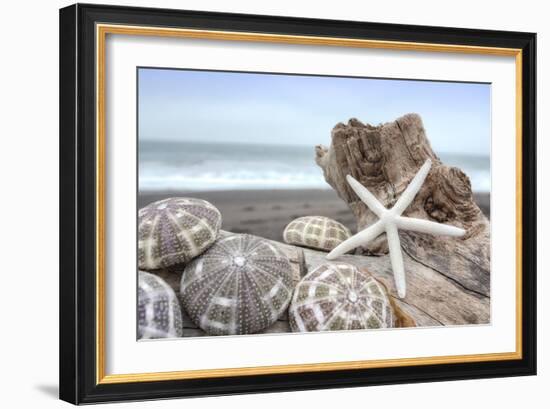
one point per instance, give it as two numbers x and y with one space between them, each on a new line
278 203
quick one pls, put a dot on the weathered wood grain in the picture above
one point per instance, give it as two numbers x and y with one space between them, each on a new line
385 158
432 299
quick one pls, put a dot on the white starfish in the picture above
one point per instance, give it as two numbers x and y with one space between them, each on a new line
390 221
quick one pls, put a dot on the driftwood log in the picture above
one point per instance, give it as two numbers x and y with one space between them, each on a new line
385 158
432 299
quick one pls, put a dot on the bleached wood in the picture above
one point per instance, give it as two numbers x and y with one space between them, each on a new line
385 160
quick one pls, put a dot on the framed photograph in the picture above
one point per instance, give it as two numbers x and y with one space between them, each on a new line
257 203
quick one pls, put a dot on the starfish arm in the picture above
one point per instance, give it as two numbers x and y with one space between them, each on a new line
396 258
366 196
426 226
410 192
357 240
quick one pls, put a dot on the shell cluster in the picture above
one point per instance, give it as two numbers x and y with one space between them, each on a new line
316 232
158 311
174 231
339 296
240 285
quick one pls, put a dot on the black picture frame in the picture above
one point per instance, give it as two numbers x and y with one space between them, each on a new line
78 360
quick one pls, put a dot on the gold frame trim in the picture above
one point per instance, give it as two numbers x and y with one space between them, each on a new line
101 33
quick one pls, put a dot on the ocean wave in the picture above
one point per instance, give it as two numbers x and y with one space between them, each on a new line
253 180
204 167
231 180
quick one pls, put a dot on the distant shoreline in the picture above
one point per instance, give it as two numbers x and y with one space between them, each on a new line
267 212
228 166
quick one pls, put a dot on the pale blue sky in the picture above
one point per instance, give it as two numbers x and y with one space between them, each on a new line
290 109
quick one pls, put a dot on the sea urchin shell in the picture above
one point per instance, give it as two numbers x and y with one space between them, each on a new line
173 231
240 285
316 232
338 296
159 311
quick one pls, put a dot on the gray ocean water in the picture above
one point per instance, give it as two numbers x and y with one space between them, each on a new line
196 166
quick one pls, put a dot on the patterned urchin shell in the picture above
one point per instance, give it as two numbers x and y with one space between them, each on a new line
240 285
173 231
338 296
317 232
159 311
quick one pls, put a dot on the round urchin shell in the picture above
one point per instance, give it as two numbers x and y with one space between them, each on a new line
338 296
174 231
159 311
316 232
240 285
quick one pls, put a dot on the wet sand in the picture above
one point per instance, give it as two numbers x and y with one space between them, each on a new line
267 212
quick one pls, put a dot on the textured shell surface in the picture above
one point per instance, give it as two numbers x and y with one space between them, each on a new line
174 231
339 296
317 232
240 285
159 311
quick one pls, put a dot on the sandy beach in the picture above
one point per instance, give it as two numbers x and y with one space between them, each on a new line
266 212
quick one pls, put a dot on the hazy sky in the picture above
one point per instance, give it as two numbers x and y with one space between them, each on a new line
289 109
